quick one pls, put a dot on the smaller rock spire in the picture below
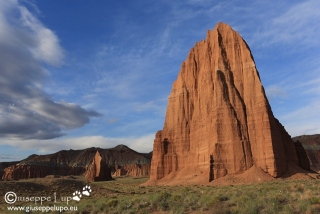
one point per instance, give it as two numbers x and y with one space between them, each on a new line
98 170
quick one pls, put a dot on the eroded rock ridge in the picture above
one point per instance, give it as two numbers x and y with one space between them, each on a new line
76 162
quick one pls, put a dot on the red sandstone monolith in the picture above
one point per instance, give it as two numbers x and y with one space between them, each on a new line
218 119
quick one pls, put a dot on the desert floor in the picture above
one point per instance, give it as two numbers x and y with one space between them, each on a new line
126 195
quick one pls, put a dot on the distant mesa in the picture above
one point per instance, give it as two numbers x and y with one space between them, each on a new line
218 120
78 162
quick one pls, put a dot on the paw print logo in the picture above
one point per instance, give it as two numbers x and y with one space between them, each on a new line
86 190
76 196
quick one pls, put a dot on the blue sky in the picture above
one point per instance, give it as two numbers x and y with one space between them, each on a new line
78 74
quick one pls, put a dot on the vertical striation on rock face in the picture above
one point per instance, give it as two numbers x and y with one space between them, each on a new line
98 170
218 112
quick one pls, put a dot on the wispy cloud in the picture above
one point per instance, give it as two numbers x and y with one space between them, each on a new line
292 24
305 120
300 112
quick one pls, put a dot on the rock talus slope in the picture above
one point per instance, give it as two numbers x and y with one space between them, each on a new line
218 119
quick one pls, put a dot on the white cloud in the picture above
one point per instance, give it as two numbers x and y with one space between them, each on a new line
26 111
46 47
311 87
275 91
